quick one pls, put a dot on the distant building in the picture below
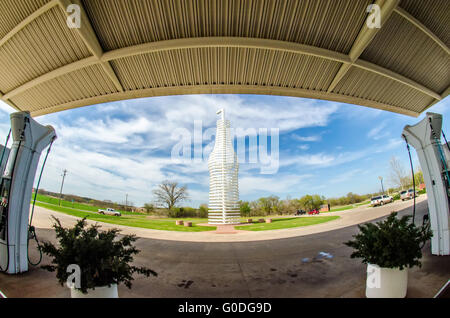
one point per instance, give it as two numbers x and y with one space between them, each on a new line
324 208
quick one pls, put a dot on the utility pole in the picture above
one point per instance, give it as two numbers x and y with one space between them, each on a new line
62 184
381 179
126 201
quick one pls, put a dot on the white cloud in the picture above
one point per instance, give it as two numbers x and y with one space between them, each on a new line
379 132
275 184
303 147
124 147
307 138
347 176
323 160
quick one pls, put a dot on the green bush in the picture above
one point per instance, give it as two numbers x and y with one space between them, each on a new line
102 258
183 212
423 191
203 211
396 197
390 243
244 208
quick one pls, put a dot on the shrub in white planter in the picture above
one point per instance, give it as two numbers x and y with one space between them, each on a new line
104 260
389 247
97 292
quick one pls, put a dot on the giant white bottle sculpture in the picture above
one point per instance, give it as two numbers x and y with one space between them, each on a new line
223 177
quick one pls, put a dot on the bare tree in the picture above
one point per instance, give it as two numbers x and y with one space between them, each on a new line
398 175
169 194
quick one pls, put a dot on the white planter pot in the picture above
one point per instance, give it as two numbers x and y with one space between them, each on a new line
385 282
98 292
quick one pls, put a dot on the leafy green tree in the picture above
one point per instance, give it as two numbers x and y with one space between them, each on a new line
311 202
203 211
290 206
244 208
263 205
149 208
268 205
418 178
275 204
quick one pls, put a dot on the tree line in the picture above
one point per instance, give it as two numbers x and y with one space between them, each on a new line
400 178
273 205
169 194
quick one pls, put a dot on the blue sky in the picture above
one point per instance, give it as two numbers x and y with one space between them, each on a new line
124 147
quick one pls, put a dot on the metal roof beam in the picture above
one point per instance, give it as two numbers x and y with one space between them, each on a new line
68 68
87 33
368 66
367 34
364 38
218 42
444 94
224 89
422 27
28 20
180 44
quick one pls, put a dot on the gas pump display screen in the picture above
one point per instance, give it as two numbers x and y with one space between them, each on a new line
4 197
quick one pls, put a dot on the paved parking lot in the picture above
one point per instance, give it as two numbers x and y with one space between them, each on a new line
290 267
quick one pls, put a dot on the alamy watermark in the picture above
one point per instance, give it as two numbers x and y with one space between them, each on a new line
373 277
74 19
252 145
374 18
74 279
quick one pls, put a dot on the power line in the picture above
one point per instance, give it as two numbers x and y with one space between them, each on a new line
62 184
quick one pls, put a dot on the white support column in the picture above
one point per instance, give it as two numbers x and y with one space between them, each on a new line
420 136
223 177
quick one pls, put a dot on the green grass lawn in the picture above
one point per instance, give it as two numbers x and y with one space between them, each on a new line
284 223
347 207
341 208
74 205
168 224
136 220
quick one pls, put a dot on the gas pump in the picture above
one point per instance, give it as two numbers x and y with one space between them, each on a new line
5 152
434 159
29 139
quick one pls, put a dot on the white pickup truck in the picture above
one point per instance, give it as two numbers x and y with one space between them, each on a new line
109 211
381 200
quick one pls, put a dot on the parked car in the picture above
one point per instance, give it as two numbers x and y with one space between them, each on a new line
381 200
387 199
312 212
407 194
109 211
300 212
375 201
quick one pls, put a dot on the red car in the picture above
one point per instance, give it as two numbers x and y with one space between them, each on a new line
312 212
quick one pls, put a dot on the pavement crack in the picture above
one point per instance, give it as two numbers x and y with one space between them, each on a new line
240 269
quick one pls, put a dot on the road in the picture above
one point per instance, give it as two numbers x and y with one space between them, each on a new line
288 267
42 219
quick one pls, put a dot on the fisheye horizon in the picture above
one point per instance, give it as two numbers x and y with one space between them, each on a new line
325 148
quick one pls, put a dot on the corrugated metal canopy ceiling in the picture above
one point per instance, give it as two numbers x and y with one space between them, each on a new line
134 48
